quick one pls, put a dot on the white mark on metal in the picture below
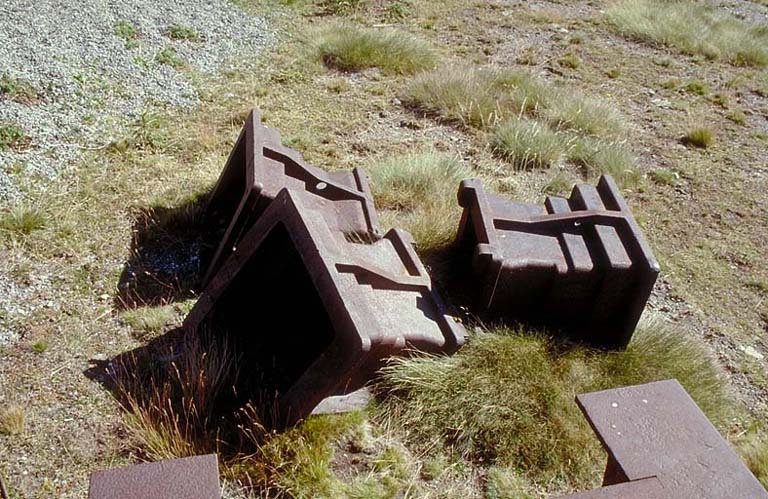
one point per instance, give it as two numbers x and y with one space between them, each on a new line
645 401
614 404
320 186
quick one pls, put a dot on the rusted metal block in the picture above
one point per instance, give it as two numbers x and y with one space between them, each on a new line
314 312
579 264
258 167
188 478
657 430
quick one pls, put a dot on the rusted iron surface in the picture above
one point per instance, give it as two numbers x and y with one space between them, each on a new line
657 430
258 167
188 478
646 488
579 264
315 312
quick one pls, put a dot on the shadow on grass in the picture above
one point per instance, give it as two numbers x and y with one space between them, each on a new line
166 248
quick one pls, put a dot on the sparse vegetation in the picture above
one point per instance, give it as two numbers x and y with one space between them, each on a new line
692 28
12 419
40 346
170 57
181 32
664 177
12 136
570 61
613 157
146 322
126 30
17 90
737 116
702 137
697 87
351 48
755 454
22 220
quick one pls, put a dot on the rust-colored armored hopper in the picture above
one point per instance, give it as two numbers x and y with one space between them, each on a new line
661 446
314 312
579 264
258 167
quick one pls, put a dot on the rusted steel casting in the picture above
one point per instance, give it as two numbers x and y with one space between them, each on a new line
187 478
314 312
579 264
258 167
661 446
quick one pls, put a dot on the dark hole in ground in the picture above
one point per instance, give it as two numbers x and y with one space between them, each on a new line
164 263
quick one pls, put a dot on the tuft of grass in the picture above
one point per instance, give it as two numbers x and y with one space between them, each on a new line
22 220
420 189
504 483
126 30
737 116
182 32
12 420
507 399
570 61
477 97
664 177
16 90
585 114
613 73
182 407
169 56
702 137
528 144
697 87
561 183
12 136
693 28
342 6
146 322
597 157
40 346
755 454
352 48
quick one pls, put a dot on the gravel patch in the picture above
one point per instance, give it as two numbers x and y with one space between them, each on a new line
96 65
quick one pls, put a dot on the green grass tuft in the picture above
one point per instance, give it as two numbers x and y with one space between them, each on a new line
126 30
12 136
597 157
664 177
693 28
697 87
22 220
181 32
40 346
528 144
700 137
755 454
507 399
352 48
169 56
419 191
16 90
148 321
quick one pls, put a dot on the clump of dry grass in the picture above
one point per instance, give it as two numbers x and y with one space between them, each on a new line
478 97
528 144
22 220
188 405
755 453
12 420
507 399
351 48
148 321
418 191
693 28
701 137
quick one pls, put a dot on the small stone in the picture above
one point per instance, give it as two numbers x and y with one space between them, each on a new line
752 352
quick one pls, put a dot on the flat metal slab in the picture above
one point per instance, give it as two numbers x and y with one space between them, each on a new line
657 430
187 478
